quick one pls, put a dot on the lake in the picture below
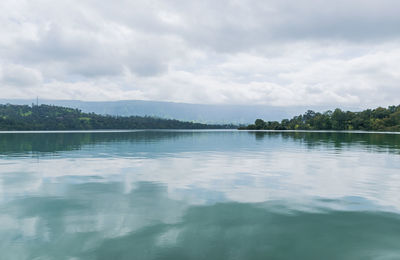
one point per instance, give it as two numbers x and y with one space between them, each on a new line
199 195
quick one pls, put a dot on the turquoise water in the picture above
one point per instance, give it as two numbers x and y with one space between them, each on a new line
199 195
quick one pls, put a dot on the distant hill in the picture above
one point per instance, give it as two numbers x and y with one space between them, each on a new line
45 117
226 114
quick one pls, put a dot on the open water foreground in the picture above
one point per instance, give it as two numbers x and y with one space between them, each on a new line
199 195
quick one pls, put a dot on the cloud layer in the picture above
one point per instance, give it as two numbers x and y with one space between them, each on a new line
238 52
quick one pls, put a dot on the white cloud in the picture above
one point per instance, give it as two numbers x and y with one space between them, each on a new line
20 76
239 52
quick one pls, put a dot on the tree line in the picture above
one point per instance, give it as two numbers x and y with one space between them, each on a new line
379 119
46 117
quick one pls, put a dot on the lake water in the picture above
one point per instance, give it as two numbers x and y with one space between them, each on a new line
199 195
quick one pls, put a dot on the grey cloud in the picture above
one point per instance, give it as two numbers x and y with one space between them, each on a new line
92 55
20 76
236 26
54 44
276 52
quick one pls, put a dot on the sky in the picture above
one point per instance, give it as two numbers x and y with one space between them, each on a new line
267 52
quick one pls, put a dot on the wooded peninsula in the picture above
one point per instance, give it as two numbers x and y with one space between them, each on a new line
45 117
379 119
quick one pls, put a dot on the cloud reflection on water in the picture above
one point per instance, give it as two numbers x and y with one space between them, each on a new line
96 196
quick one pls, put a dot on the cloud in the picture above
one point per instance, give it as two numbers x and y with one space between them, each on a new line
239 52
19 76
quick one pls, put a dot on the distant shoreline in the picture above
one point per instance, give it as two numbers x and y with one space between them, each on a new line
379 119
56 118
114 131
194 130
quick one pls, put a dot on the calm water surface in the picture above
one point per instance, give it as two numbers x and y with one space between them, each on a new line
199 195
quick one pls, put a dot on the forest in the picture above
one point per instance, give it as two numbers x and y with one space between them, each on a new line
379 119
46 117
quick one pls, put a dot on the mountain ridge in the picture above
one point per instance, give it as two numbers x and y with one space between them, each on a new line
202 113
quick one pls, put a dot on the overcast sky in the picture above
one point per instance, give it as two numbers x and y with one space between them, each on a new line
275 52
